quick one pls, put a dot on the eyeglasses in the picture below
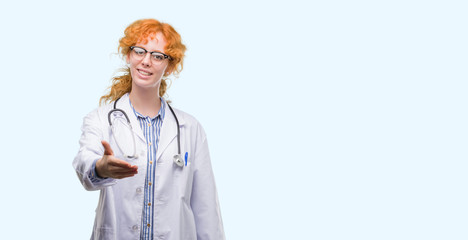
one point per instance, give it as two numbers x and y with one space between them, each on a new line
156 57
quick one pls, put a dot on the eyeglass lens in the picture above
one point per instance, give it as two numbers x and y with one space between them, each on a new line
139 53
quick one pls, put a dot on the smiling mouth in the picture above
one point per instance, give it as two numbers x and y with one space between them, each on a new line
145 73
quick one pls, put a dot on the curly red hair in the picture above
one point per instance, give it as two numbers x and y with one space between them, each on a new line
139 31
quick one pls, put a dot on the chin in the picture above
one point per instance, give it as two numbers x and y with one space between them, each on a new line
146 83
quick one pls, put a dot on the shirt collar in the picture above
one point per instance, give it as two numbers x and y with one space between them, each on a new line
161 112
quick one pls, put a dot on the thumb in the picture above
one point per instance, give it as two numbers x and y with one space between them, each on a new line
107 148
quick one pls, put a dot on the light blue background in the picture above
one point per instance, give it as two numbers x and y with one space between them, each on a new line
326 119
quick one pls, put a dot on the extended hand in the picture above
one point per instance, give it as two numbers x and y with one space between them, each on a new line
110 166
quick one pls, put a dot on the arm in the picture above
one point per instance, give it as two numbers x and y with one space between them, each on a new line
204 200
95 163
91 150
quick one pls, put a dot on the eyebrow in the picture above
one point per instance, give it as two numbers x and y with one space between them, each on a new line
149 51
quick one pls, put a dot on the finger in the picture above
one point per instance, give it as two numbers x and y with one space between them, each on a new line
113 169
117 175
112 161
124 175
125 172
116 170
107 148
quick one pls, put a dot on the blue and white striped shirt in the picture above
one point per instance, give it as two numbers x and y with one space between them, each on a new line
151 128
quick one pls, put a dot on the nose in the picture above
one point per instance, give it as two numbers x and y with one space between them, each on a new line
146 60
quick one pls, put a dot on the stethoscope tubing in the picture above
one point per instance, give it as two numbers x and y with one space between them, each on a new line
178 128
177 158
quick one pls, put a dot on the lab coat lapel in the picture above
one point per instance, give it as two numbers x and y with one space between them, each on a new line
168 131
124 104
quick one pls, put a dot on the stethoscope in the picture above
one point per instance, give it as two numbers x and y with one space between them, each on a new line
177 158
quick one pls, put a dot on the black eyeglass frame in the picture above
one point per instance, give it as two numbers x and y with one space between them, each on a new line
146 51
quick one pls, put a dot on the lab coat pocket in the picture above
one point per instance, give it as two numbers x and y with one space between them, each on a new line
184 178
181 170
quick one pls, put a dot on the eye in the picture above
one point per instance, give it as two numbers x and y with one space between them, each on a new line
157 56
139 51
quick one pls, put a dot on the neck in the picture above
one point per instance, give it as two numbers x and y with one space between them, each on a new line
146 102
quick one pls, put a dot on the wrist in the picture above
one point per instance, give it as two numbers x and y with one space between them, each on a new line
98 169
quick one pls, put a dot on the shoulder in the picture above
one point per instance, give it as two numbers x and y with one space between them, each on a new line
186 117
103 109
189 122
99 114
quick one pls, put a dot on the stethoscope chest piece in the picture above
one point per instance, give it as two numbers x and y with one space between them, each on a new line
178 160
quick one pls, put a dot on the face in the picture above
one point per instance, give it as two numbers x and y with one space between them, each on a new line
145 73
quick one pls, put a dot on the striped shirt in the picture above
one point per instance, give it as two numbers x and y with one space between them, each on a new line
151 128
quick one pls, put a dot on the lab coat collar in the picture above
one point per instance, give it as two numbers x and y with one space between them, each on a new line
124 104
169 130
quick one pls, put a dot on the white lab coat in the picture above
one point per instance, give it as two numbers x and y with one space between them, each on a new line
186 202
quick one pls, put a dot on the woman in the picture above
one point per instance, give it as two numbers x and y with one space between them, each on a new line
153 170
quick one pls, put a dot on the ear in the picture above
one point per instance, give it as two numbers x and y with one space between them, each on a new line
128 58
169 70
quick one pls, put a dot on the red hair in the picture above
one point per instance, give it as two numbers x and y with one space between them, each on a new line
139 31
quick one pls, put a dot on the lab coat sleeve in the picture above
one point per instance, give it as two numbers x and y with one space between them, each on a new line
90 151
204 201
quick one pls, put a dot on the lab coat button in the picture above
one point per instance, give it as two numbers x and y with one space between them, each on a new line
138 190
135 227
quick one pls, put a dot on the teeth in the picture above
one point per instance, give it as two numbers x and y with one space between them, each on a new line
144 73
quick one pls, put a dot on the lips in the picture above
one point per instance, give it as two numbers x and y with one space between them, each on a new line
144 73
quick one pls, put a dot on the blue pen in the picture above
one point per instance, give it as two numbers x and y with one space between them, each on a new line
186 156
